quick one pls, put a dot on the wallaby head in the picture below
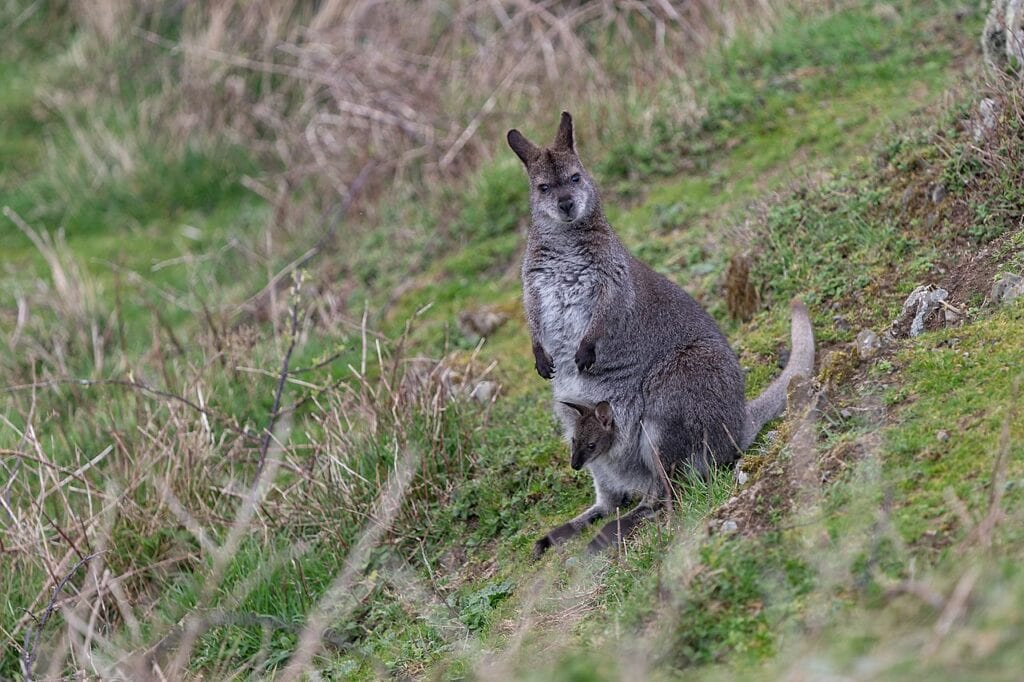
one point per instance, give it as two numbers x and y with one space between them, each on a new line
594 434
561 190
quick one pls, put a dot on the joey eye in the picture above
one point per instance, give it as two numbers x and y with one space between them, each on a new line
591 446
543 188
575 177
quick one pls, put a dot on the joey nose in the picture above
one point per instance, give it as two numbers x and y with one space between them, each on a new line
566 205
578 460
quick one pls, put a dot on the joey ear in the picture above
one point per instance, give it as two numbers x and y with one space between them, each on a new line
563 138
604 414
523 148
580 409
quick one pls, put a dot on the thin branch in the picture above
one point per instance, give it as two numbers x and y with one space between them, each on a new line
319 365
28 654
275 411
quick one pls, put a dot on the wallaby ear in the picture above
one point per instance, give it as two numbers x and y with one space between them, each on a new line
523 148
603 411
563 138
580 409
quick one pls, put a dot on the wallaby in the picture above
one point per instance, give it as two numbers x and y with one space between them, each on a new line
593 433
605 327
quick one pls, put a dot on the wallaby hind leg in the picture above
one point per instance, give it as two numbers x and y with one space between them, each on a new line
615 532
606 503
569 530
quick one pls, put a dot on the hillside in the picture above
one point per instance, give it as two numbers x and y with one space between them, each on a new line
269 404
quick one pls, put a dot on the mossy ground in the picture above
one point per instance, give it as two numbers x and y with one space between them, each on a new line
809 141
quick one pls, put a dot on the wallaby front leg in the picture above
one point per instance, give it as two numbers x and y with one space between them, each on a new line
586 352
542 361
569 530
616 531
531 303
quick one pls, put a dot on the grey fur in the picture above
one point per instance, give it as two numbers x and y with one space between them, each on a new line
605 327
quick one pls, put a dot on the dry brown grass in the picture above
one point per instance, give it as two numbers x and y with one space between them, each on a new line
414 92
176 458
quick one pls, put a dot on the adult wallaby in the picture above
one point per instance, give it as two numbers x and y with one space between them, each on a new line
605 327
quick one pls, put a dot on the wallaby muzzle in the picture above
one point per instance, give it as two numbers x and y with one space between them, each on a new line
566 206
578 460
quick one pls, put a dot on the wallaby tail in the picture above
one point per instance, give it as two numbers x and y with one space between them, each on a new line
772 402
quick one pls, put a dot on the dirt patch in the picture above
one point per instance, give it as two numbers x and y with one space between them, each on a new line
970 273
798 465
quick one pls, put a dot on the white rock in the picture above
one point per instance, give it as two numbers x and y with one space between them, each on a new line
919 306
1007 288
868 344
988 117
484 391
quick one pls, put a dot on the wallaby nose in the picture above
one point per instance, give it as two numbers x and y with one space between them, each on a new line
565 205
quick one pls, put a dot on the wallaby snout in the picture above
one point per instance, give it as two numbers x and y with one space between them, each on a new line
578 460
566 206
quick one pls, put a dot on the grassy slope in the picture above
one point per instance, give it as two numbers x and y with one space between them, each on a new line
807 105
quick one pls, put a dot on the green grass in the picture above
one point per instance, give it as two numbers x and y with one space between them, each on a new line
808 138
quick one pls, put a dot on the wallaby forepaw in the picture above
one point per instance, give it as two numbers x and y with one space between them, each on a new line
541 546
586 356
544 364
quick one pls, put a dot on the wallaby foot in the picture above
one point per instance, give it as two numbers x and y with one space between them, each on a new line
586 356
545 366
615 532
557 536
567 531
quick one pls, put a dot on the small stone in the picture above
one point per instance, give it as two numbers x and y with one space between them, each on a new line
840 323
742 476
784 353
480 323
846 413
868 344
953 317
1007 288
729 526
931 221
939 193
485 391
907 198
886 12
962 12
942 435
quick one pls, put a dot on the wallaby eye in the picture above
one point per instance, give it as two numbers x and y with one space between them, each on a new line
543 188
575 177
591 446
